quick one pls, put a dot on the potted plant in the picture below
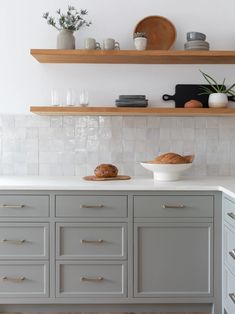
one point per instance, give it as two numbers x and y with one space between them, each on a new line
67 23
140 40
218 94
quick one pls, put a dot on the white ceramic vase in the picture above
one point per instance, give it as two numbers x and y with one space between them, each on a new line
140 43
65 39
218 100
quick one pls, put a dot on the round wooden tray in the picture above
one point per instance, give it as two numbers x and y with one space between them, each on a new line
161 33
94 178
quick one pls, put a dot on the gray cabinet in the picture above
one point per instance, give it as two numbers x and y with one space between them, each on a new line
229 255
154 251
173 260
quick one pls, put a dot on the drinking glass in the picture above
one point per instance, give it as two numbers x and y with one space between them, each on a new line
55 97
70 97
84 98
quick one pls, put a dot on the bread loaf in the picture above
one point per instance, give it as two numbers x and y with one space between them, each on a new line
172 158
106 171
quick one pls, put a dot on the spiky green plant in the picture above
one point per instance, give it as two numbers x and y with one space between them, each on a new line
215 87
71 20
140 34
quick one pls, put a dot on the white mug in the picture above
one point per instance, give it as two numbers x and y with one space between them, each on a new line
111 44
91 44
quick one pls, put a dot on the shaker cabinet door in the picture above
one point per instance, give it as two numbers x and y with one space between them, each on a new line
173 260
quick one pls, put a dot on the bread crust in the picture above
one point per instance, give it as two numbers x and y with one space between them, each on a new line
172 158
106 171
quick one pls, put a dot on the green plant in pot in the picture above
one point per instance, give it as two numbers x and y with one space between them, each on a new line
218 93
67 23
140 40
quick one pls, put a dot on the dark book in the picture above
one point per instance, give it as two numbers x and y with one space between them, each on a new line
132 96
137 101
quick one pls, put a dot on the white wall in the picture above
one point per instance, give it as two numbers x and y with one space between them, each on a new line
24 82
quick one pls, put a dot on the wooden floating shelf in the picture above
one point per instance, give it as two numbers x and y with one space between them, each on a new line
133 56
114 111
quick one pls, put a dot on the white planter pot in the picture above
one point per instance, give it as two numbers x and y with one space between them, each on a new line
140 43
218 100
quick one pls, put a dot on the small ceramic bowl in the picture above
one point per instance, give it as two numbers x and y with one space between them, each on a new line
195 36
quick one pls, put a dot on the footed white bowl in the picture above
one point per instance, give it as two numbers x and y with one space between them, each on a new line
166 172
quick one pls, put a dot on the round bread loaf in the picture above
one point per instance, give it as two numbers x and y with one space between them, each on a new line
193 104
172 158
106 171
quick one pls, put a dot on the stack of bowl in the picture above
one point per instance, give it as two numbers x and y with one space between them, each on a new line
196 41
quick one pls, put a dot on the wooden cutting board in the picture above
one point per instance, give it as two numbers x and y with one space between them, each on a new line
94 178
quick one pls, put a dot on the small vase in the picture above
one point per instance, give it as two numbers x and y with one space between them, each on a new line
65 39
140 43
218 100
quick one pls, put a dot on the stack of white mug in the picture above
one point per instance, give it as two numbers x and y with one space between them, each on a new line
108 44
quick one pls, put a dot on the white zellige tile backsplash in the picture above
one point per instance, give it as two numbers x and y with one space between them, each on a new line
34 145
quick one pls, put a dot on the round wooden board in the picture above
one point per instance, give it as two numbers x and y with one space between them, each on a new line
161 33
94 178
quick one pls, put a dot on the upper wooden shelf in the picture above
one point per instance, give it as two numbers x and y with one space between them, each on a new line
114 111
134 56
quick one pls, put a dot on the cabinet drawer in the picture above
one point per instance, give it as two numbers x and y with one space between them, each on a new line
91 279
91 206
91 240
229 247
229 291
173 206
23 241
24 205
23 279
229 211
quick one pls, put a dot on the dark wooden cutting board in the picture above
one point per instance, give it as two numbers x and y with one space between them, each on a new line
186 92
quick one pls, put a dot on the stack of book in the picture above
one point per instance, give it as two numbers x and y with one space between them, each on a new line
131 101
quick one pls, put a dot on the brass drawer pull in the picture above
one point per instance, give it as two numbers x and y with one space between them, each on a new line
12 279
12 241
82 241
232 253
232 215
11 206
232 296
173 206
92 206
96 279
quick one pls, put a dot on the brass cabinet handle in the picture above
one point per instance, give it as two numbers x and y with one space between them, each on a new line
12 241
232 296
91 241
11 206
232 253
232 215
173 206
96 279
13 279
91 206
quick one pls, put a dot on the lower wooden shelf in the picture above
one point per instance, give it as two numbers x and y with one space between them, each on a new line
127 111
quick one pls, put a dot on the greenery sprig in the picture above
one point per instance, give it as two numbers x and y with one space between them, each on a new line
71 20
140 34
215 87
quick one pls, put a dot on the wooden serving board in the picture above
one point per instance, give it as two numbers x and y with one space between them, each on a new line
94 178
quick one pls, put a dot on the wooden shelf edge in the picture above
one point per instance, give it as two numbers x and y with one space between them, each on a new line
114 111
134 56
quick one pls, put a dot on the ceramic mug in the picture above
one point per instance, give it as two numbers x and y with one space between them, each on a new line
91 44
111 44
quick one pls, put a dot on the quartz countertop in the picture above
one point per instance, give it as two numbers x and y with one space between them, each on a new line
223 184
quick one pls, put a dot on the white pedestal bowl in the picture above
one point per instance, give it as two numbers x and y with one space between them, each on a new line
166 172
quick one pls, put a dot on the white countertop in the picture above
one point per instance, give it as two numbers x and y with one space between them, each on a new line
224 184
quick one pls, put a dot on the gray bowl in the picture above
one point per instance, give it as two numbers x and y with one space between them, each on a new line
195 36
